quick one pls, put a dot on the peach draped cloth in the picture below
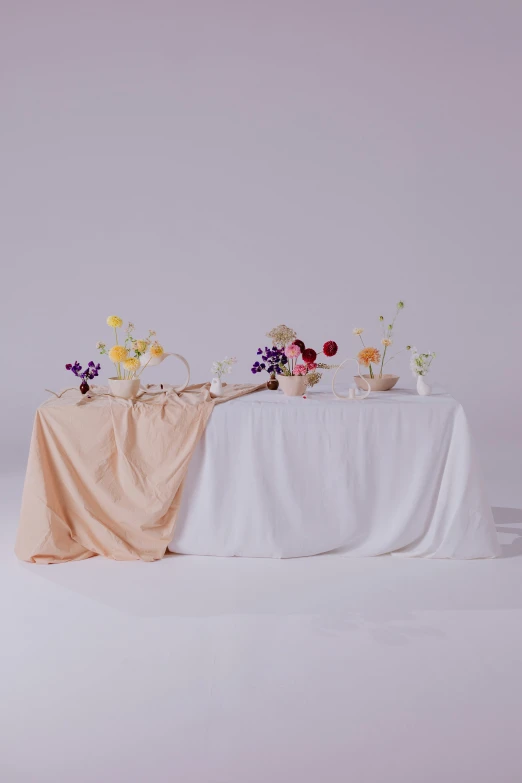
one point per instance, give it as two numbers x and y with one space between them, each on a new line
105 475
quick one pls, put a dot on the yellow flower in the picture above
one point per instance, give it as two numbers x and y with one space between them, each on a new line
114 321
140 345
358 330
385 341
118 353
131 364
368 356
156 349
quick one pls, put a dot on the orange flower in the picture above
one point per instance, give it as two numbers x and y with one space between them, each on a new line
369 356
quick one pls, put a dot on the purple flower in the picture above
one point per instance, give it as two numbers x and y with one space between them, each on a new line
90 372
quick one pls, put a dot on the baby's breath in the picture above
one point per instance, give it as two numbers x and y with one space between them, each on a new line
282 335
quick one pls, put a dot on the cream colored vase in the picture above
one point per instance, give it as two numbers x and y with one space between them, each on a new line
216 387
126 389
423 388
385 383
292 385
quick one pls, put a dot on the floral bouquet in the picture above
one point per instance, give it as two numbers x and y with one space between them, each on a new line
127 357
369 356
420 363
282 358
90 372
223 367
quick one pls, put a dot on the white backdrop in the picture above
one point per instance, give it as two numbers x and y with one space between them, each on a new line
210 169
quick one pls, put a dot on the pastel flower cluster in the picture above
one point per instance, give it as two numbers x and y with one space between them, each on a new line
224 367
127 356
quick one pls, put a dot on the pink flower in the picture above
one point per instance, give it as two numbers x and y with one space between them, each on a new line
292 351
300 369
312 366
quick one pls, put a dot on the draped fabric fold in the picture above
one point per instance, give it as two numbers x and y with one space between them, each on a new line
105 475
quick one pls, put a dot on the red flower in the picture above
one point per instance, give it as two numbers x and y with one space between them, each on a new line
330 348
309 355
300 343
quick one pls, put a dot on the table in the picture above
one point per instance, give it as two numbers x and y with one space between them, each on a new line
279 477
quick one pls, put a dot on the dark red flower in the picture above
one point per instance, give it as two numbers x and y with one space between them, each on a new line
309 355
330 348
300 343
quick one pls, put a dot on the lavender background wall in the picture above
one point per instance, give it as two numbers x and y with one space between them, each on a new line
210 169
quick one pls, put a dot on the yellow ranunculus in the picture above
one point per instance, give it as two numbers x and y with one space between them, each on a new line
131 364
140 345
114 321
156 349
118 353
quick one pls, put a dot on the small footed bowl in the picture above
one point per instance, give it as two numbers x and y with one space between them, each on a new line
385 383
293 385
127 389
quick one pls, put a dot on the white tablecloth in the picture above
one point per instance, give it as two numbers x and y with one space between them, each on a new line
281 477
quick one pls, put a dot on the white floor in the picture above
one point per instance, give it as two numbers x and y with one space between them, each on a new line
204 670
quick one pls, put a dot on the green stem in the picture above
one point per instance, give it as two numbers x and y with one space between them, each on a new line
371 371
118 370
382 361
394 355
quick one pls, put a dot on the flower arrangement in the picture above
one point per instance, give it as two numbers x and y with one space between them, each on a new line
90 372
273 361
283 357
223 367
127 355
368 355
420 363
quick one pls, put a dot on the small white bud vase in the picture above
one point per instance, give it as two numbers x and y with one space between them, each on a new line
216 387
423 388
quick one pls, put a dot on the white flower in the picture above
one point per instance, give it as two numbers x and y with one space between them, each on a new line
223 367
420 362
358 330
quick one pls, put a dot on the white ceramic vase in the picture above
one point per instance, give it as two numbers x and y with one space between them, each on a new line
293 385
423 388
216 387
124 388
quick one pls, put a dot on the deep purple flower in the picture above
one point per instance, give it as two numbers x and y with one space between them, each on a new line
90 372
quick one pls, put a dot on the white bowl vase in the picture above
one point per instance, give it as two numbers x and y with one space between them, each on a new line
293 385
125 389
423 388
377 384
146 360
